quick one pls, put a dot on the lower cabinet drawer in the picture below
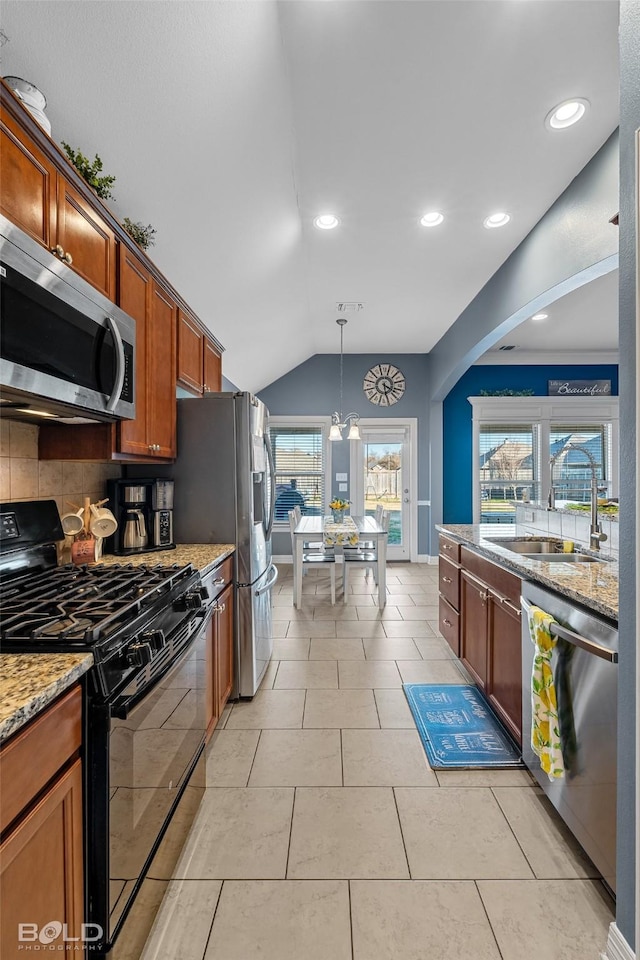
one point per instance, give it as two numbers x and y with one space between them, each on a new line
449 625
449 581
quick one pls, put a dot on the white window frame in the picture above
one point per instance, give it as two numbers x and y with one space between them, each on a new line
325 424
543 412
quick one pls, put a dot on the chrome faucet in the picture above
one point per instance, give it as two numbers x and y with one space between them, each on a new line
596 536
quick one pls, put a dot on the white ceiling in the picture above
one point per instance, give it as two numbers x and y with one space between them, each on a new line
230 125
583 325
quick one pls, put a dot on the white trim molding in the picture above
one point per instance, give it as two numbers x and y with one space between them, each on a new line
617 947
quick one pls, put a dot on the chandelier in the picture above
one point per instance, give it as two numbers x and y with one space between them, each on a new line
338 422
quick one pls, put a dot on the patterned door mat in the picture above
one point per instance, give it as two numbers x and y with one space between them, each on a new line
458 729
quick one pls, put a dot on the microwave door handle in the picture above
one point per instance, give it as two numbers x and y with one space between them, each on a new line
120 365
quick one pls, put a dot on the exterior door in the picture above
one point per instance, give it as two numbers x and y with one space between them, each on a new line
381 475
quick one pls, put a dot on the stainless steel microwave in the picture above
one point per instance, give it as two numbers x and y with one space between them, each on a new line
66 351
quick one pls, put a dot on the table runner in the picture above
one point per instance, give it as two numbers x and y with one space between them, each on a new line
338 534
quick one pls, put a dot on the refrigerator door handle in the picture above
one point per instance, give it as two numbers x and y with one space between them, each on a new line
270 582
272 495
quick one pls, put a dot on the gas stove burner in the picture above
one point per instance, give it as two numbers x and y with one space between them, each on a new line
70 607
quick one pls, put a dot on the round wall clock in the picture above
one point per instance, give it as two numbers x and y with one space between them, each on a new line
384 384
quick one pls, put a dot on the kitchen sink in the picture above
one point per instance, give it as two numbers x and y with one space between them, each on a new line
549 550
527 545
563 557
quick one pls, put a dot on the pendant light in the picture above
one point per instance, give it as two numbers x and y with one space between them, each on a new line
338 422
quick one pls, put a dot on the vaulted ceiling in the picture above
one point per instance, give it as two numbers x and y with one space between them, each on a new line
230 125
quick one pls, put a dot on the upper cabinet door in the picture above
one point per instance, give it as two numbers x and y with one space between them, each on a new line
212 381
28 184
86 239
190 343
135 299
161 373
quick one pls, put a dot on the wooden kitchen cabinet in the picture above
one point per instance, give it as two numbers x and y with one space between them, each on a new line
473 627
505 663
153 432
449 586
219 642
37 197
490 635
41 855
199 361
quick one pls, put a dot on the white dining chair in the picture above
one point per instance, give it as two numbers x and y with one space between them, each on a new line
362 556
311 558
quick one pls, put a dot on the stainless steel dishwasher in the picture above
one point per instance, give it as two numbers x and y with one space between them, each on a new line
585 673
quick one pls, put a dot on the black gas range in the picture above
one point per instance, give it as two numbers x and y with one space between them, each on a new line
145 697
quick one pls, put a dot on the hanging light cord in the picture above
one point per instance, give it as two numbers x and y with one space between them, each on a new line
342 323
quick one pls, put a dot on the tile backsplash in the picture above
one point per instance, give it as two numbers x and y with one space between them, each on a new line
24 477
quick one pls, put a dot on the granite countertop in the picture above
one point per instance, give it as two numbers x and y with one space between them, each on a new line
204 556
30 682
595 585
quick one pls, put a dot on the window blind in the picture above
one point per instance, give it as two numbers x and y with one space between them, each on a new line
299 460
508 468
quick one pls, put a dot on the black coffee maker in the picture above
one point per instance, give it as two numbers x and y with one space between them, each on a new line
144 511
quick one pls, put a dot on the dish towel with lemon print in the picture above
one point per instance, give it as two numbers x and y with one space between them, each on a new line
545 725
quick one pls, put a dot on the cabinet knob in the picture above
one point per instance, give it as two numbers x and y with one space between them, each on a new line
447 580
68 258
57 250
151 446
447 623
219 607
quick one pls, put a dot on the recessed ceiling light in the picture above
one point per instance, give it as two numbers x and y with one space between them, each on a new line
326 222
540 316
496 220
431 219
566 113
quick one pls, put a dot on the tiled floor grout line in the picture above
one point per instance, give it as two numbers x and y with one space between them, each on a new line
253 759
515 836
404 845
486 913
213 919
293 811
350 917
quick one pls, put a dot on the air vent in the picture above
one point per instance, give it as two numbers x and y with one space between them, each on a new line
349 306
508 346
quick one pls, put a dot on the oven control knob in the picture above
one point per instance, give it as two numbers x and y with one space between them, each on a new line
188 601
155 638
139 654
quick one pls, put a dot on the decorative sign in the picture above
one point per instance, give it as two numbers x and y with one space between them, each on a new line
579 388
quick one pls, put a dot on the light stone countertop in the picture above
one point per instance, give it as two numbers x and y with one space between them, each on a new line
204 556
594 585
29 682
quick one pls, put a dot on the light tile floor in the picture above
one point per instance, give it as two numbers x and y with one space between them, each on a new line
325 835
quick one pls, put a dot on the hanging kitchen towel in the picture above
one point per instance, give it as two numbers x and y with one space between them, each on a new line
545 727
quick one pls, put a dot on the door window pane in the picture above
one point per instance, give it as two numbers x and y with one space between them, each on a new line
383 484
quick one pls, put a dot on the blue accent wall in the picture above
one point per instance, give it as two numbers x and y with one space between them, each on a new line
458 415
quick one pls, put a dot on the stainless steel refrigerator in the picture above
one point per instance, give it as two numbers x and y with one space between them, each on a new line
224 493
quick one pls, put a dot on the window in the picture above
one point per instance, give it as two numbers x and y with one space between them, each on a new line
508 469
301 463
523 446
575 451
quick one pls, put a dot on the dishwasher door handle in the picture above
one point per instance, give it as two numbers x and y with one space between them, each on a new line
590 646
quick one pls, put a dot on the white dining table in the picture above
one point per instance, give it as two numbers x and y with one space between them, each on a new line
311 528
